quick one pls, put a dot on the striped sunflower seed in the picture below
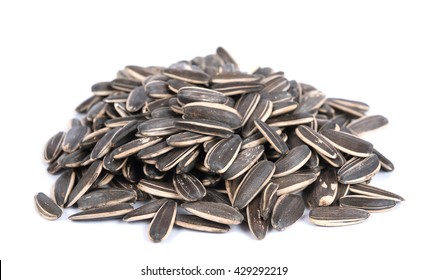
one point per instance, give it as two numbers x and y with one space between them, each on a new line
188 162
135 146
136 99
291 120
366 124
271 136
246 105
258 226
199 224
316 141
158 127
359 170
348 143
198 94
323 191
206 127
293 161
243 162
367 190
370 204
189 76
213 111
105 197
53 148
268 199
158 188
262 112
145 212
295 182
172 158
46 207
337 216
189 187
287 210
63 186
186 139
220 157
163 221
73 138
214 211
236 88
102 213
385 164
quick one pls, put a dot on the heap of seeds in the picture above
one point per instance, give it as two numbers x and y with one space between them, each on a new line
225 146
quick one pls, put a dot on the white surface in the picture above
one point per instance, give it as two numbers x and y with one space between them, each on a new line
51 52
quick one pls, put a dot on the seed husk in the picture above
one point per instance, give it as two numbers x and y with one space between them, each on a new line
53 148
185 139
324 189
158 188
163 221
246 105
348 143
293 161
199 224
85 182
291 120
316 141
63 186
189 187
151 172
172 158
136 99
214 211
268 199
271 136
283 107
262 112
189 76
236 88
46 207
256 139
237 77
152 151
287 210
223 153
102 213
359 171
73 138
295 182
188 162
135 146
145 212
370 204
158 127
337 216
198 94
105 197
257 224
366 124
368 190
126 85
213 111
206 127
253 182
104 145
243 162
386 164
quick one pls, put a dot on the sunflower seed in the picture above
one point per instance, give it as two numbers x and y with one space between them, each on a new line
158 127
268 199
139 73
175 85
271 136
126 85
223 153
185 139
147 211
135 146
344 107
385 163
73 138
236 77
283 107
199 224
104 145
348 143
206 127
188 162
258 226
256 139
295 182
367 190
226 57
53 147
152 151
163 221
291 120
293 161
243 162
316 141
323 191
151 172
279 96
46 207
158 89
246 105
105 197
370 204
63 186
190 76
188 187
262 112
158 188
337 216
172 158
214 211
136 99
366 124
102 89
197 94
359 170
106 212
236 88
75 159
85 182
111 164
253 182
213 111
287 210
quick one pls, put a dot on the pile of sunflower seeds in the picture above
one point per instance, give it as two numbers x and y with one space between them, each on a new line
203 145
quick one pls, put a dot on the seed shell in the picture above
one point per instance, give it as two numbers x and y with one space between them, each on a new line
337 216
214 211
46 207
199 224
106 212
287 210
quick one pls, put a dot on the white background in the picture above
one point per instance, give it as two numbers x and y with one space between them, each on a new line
51 52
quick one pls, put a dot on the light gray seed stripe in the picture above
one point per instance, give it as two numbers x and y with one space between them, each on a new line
368 190
366 124
348 143
337 216
85 182
253 182
105 197
73 138
63 186
106 212
46 207
271 136
370 204
295 182
213 111
220 157
293 161
206 127
145 212
268 199
258 226
53 147
163 221
360 171
288 209
188 187
158 188
199 224
316 141
214 211
243 162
